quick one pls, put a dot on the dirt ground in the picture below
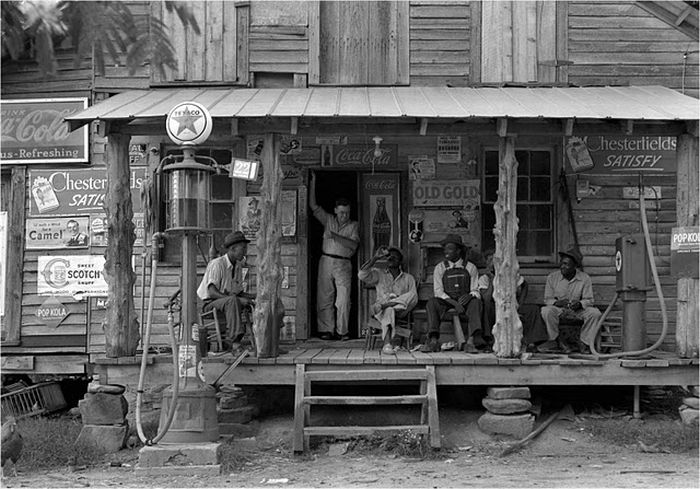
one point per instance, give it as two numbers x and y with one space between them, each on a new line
565 455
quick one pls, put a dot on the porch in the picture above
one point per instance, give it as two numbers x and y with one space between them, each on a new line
452 368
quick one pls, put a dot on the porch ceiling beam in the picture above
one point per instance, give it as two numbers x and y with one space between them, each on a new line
502 127
568 125
553 127
234 126
294 126
628 126
424 126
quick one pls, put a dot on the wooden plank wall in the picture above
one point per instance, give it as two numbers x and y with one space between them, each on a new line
22 79
618 43
278 40
440 42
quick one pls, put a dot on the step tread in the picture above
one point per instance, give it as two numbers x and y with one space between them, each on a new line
354 430
367 400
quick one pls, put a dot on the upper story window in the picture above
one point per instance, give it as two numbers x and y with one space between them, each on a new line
359 43
535 203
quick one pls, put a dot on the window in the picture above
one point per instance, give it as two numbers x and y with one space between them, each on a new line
535 202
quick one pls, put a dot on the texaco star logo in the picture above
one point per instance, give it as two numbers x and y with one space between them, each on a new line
188 123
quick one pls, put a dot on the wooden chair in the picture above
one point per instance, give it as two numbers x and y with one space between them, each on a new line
404 330
211 321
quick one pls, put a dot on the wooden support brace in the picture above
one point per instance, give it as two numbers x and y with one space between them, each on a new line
502 127
628 126
234 126
294 126
683 15
101 128
423 126
568 127
692 128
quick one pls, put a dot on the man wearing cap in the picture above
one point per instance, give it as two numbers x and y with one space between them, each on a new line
340 241
569 292
222 287
396 292
455 285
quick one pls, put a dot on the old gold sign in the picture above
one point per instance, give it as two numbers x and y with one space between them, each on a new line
445 192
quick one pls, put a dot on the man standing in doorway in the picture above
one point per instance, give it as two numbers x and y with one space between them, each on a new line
340 241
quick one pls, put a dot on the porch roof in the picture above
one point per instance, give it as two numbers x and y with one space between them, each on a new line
653 103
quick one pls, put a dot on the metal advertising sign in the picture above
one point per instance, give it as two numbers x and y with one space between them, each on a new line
57 233
71 275
446 193
33 131
361 156
100 237
188 123
76 191
611 155
685 252
381 204
52 312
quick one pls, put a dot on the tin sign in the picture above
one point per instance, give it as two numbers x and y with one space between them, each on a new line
188 123
52 312
71 275
50 233
446 193
685 252
77 191
622 154
33 131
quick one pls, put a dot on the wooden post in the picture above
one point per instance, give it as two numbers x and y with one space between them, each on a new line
120 324
15 257
508 330
687 215
269 309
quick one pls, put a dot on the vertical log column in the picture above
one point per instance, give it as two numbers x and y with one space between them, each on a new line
120 324
508 331
269 309
687 215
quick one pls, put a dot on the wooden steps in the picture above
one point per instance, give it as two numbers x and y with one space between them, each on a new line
426 398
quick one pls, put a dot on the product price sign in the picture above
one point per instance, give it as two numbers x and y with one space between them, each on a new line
71 275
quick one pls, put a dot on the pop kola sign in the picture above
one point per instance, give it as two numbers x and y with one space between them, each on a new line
621 154
71 275
33 131
52 312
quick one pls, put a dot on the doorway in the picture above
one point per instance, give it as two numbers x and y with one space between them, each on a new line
332 185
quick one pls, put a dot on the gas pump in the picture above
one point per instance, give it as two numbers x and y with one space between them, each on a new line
188 413
632 279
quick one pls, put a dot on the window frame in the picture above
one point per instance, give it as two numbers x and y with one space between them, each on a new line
553 200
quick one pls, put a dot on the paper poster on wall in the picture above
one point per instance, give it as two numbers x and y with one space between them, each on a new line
290 145
449 149
466 223
47 233
289 330
71 275
421 167
288 209
249 214
254 146
3 259
99 235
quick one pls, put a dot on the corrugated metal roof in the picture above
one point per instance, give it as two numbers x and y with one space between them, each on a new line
636 103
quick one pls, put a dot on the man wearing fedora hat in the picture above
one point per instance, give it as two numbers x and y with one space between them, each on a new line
222 287
455 285
568 292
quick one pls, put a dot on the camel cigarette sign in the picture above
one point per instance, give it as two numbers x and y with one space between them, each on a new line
71 275
33 131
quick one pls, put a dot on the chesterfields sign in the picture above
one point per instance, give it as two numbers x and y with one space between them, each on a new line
33 131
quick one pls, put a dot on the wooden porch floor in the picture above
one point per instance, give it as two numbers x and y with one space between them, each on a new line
452 367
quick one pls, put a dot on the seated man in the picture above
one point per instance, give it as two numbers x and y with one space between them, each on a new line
222 289
569 292
396 292
534 330
455 286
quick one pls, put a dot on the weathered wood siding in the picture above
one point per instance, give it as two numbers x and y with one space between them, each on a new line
278 40
618 43
218 54
22 79
440 42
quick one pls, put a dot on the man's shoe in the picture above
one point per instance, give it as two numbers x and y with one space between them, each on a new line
584 348
388 350
432 346
549 346
564 347
468 347
479 341
326 336
344 337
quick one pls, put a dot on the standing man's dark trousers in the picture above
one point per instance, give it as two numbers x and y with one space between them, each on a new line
435 308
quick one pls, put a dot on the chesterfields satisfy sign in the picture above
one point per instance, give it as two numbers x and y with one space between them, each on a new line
33 131
621 154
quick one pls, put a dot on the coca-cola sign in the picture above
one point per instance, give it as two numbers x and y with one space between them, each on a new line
33 131
358 155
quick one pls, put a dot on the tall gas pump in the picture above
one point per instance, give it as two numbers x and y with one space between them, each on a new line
632 283
187 190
